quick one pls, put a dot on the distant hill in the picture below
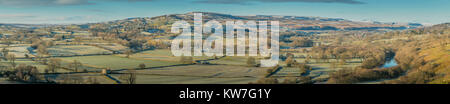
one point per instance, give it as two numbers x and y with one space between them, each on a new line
24 25
161 24
287 23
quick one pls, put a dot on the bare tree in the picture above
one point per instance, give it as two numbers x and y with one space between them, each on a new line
128 53
290 61
5 52
12 60
76 65
42 50
54 64
129 77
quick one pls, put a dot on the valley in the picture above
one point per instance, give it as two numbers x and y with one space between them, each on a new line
314 50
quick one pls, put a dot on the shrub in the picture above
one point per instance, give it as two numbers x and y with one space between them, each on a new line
142 66
290 61
186 60
349 76
251 61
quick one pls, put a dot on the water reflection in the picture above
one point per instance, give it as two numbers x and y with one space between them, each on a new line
390 63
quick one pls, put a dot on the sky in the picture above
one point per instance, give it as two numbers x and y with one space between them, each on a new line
91 11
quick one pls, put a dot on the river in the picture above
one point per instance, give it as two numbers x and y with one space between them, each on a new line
390 63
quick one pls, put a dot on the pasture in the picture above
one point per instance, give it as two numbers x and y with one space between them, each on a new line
115 62
41 68
162 55
18 51
111 46
81 77
199 74
76 50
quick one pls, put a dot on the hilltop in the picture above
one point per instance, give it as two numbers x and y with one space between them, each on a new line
287 23
160 25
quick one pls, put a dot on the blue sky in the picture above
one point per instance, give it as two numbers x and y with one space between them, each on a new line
88 11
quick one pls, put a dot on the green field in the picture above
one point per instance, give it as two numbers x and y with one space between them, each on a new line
100 78
115 62
155 79
162 55
18 50
5 81
288 72
199 74
232 60
41 68
112 46
73 50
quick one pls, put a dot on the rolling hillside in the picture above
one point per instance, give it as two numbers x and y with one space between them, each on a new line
287 23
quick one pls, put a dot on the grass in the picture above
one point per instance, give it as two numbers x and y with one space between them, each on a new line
199 74
159 52
320 70
162 55
41 68
116 62
208 71
232 60
288 72
5 81
18 50
100 78
71 50
155 79
440 56
67 63
112 46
